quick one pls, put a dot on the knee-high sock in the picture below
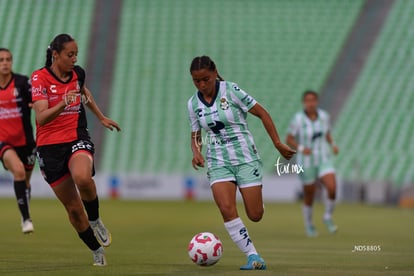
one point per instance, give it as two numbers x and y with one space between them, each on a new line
20 191
92 208
329 209
89 239
240 236
307 215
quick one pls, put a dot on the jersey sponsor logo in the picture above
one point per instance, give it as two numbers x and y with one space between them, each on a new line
9 113
199 112
247 100
217 140
37 91
317 135
216 126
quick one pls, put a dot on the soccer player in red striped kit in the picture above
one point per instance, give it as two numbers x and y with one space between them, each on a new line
64 149
17 145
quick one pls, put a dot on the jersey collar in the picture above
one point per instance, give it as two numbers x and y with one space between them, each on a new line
57 78
200 96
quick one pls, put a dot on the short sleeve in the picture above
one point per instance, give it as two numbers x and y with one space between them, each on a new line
194 124
39 91
293 127
244 100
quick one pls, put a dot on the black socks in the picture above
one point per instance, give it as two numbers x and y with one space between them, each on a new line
89 239
92 208
22 195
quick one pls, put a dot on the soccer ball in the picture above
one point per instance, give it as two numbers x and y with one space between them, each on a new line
205 249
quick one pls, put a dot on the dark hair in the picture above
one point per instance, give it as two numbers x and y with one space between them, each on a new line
57 45
309 92
6 50
204 62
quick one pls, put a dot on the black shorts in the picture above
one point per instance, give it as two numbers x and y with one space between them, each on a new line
27 154
54 159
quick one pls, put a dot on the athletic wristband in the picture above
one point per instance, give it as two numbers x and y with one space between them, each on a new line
301 148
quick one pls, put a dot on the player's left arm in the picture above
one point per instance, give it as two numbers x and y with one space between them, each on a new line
258 111
331 142
91 104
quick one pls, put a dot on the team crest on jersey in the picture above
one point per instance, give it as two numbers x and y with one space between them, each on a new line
224 105
44 91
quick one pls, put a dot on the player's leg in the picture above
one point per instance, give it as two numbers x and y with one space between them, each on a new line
28 178
249 178
13 163
329 181
308 178
309 190
67 193
225 197
253 204
81 170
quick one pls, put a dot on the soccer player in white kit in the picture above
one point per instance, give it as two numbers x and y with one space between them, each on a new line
220 108
309 132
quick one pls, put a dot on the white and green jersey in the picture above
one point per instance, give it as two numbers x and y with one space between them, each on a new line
311 134
228 139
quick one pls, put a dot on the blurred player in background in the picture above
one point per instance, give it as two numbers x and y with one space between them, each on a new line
310 133
17 145
220 108
65 151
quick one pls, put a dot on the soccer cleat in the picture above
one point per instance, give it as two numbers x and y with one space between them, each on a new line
101 233
99 257
254 262
311 231
332 228
27 226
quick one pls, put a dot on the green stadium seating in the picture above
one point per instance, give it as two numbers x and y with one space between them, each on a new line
27 27
376 125
273 49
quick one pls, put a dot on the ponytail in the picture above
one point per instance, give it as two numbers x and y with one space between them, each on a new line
204 62
48 62
57 45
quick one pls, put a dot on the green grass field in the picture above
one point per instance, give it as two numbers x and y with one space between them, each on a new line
150 238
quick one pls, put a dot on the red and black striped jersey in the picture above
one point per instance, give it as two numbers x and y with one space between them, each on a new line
71 123
15 125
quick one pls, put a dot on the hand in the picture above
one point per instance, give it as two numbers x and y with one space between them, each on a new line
307 151
198 160
109 124
335 149
285 151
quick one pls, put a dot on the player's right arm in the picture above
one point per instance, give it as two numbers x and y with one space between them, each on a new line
196 141
196 146
44 114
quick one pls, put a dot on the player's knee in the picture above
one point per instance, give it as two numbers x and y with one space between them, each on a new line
82 180
18 171
228 211
256 215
